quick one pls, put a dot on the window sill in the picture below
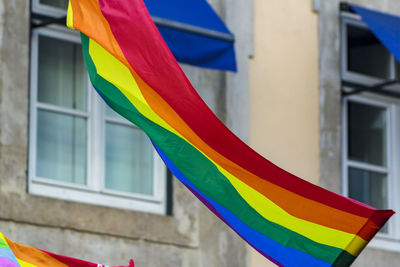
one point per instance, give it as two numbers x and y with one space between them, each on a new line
107 199
47 10
383 243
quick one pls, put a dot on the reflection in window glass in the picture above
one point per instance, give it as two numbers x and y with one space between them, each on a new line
397 70
62 77
129 160
71 136
61 147
365 54
111 113
367 133
63 4
368 187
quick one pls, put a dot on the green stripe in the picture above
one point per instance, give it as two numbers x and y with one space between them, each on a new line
202 172
344 260
3 243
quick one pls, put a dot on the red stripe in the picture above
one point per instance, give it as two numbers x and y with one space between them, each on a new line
133 27
71 261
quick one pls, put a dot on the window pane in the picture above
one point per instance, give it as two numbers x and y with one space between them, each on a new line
368 187
365 54
111 113
397 70
367 133
56 3
129 160
62 77
61 147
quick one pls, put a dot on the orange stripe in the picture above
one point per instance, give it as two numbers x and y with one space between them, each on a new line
95 26
292 203
33 256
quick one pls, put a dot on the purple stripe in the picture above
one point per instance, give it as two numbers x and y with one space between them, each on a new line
211 208
4 262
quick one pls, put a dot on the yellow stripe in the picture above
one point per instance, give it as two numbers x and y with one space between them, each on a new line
313 231
118 74
21 262
2 238
70 16
25 264
115 72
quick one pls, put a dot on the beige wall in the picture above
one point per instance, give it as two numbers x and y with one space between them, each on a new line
283 99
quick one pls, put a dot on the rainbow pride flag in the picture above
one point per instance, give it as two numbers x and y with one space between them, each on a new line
16 255
290 221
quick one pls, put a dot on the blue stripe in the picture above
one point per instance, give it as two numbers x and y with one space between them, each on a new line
8 254
284 255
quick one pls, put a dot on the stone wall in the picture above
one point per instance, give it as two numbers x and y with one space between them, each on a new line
192 236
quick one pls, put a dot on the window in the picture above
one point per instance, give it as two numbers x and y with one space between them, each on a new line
369 131
81 150
364 59
53 8
370 127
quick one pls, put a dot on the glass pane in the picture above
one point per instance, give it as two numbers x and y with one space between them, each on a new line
62 77
397 70
111 113
367 133
61 147
56 3
365 54
368 187
129 160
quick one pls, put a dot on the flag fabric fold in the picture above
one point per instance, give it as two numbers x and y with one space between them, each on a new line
289 220
16 255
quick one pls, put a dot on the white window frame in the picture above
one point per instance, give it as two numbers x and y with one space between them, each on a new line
388 241
47 10
94 192
347 18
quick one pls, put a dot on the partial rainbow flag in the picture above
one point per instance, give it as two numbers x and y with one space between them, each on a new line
16 255
289 220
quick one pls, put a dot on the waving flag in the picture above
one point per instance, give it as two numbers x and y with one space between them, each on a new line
290 221
16 255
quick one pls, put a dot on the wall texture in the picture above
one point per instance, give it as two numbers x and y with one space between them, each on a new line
284 86
192 236
284 104
330 108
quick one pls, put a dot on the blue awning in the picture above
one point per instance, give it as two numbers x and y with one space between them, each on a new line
194 33
386 27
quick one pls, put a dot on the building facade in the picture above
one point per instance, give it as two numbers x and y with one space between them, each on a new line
283 95
306 54
63 185
359 133
295 59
